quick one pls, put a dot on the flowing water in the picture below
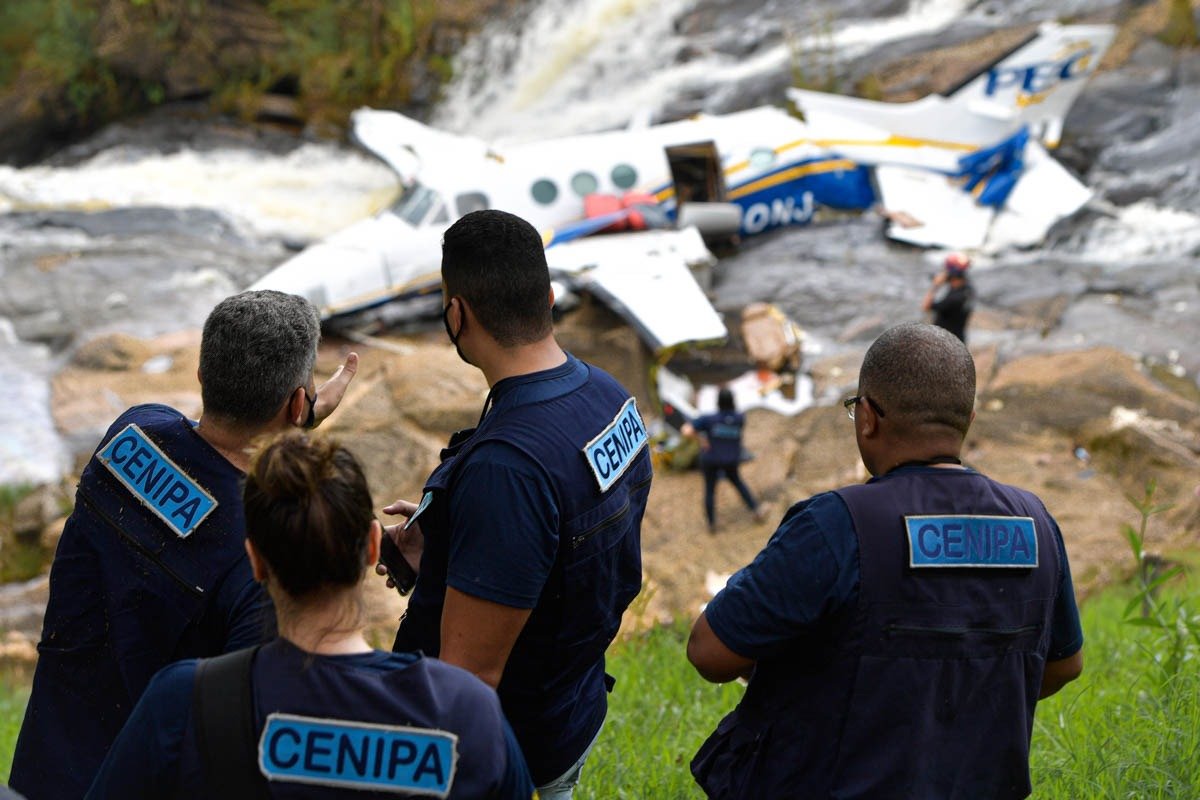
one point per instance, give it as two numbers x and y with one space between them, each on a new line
147 225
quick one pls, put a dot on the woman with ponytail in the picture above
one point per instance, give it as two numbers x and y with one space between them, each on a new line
317 712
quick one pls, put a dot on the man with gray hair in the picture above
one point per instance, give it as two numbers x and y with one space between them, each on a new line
151 566
896 634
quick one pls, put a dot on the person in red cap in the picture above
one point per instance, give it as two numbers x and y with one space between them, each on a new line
951 297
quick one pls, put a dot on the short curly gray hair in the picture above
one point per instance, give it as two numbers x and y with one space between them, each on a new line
257 347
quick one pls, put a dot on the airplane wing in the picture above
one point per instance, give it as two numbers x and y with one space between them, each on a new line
931 209
646 278
374 261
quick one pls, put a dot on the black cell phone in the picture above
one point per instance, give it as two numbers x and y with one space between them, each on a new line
399 570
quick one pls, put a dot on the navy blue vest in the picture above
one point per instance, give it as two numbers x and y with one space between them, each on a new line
554 688
132 588
925 688
724 430
433 699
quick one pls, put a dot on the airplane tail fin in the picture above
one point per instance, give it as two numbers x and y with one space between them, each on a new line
405 144
1036 83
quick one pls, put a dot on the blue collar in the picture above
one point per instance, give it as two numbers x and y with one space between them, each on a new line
535 387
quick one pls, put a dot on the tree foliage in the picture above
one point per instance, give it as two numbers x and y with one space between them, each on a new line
84 61
347 52
1180 30
49 43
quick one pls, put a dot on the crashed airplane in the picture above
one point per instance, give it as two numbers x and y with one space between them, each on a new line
968 170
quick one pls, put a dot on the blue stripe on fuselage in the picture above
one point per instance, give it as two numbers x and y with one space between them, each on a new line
785 201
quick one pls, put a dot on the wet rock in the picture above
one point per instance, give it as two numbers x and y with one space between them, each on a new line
18 647
1134 444
864 328
597 335
1172 145
35 511
114 353
1164 159
400 410
21 608
106 377
77 273
1126 105
1188 68
1124 191
51 534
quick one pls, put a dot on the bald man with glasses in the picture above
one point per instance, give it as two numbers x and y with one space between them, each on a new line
897 634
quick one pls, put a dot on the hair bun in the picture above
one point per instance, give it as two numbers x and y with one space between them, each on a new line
292 466
308 512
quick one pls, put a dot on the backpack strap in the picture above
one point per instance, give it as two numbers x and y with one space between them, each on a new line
223 708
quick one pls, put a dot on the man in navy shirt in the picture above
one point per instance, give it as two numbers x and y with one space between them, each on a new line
528 535
720 454
897 635
151 566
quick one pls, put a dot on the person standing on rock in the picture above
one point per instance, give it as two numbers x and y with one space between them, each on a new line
528 535
897 634
151 567
951 297
720 437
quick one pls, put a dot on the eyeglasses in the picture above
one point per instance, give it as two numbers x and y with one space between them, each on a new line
851 402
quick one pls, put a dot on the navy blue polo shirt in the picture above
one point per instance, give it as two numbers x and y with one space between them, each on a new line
809 572
505 522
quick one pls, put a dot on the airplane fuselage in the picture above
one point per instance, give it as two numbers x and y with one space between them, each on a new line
771 171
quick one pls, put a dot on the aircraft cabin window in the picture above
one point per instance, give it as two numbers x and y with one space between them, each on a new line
761 157
584 183
414 203
544 191
471 201
624 176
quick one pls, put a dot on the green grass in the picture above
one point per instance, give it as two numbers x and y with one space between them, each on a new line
1123 730
658 715
14 694
1127 729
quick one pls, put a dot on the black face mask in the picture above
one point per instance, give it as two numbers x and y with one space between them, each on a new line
453 337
